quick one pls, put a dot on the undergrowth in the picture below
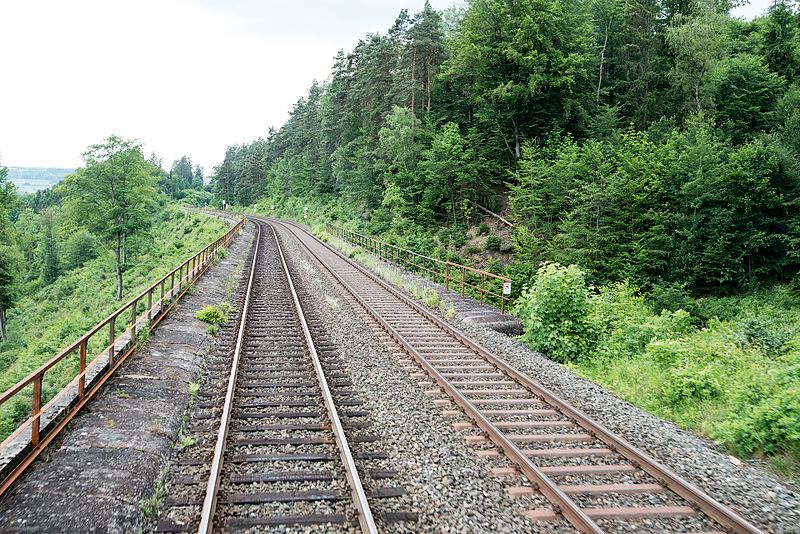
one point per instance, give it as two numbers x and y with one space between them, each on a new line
734 376
48 318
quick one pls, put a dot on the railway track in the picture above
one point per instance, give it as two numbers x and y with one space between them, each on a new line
593 479
274 447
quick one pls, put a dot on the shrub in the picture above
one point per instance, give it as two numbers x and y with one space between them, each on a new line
212 315
771 426
431 298
555 313
666 352
691 383
459 239
79 249
483 228
472 249
493 243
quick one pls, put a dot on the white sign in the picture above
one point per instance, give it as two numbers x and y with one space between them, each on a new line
506 288
305 212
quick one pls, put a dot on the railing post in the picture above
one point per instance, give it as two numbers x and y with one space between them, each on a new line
82 378
463 276
37 409
447 275
483 284
133 321
150 303
112 336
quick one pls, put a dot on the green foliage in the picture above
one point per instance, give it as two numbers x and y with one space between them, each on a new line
39 328
79 248
212 315
734 379
113 196
771 426
49 251
493 242
431 299
691 383
555 313
690 210
746 95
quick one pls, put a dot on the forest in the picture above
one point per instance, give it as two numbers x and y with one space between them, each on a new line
646 152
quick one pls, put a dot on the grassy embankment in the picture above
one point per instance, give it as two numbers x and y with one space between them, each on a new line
48 318
727 367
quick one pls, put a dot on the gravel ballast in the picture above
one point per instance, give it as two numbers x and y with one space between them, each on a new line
753 493
448 485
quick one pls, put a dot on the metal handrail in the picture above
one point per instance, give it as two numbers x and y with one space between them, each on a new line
431 267
118 347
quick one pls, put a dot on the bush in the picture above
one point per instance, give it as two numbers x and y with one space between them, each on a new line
691 383
626 323
459 237
212 315
79 249
772 426
555 313
483 228
493 243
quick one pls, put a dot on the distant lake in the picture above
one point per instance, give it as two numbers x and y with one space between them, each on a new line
32 179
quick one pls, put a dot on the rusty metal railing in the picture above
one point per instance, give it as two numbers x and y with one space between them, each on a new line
117 333
484 285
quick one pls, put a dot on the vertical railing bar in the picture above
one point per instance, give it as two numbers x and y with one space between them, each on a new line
82 368
112 336
37 409
133 321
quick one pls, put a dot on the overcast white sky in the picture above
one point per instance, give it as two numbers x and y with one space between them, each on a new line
183 76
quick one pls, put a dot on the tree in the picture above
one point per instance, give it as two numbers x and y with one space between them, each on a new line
746 96
523 67
698 44
199 180
49 251
112 194
28 237
781 48
399 153
425 52
450 172
10 260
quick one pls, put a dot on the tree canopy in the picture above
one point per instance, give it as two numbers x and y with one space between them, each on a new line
651 140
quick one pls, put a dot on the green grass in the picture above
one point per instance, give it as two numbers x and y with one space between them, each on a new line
48 318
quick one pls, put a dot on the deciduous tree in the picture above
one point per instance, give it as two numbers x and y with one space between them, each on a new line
112 195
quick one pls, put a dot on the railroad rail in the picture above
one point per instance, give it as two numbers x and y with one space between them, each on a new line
288 406
590 475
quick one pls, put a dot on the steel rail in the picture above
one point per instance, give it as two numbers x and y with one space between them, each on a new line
561 502
365 518
210 501
695 496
